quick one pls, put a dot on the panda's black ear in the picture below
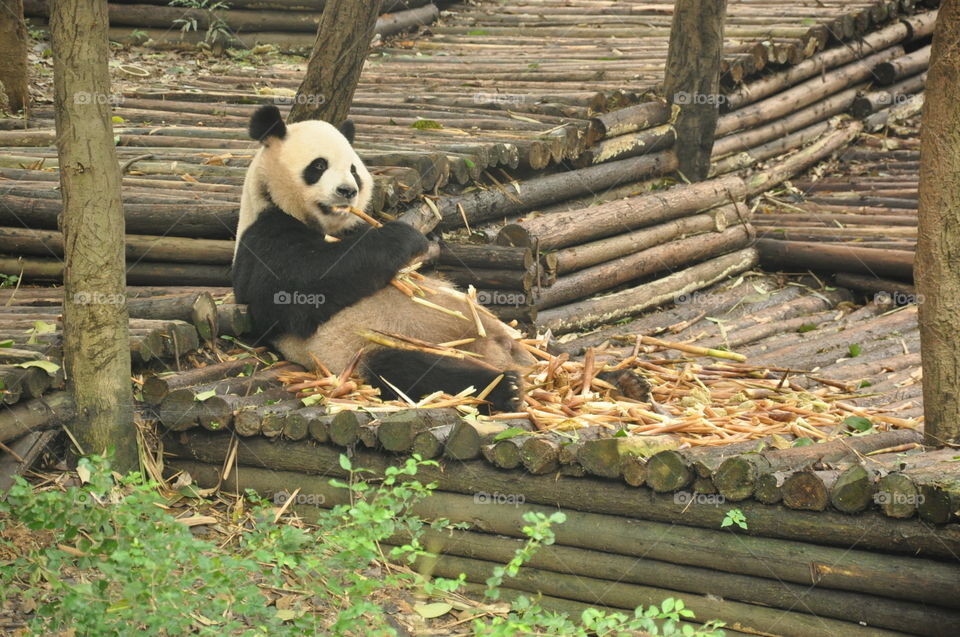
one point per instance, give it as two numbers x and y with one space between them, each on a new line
266 123
348 130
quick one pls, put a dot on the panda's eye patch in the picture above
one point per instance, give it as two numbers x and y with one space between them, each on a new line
356 176
314 170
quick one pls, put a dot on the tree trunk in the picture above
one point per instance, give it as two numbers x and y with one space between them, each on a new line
937 271
13 52
692 80
337 59
96 336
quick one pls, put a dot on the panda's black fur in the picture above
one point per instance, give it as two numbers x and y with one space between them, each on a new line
280 254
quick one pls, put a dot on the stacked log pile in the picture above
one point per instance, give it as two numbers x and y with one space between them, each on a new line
857 222
900 578
166 325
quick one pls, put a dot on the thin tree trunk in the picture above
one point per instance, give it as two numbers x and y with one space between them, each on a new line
937 270
692 80
336 62
13 52
96 336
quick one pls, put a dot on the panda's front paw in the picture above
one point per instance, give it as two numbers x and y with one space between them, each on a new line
405 239
507 396
629 383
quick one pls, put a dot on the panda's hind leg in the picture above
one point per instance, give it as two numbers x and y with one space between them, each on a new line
417 374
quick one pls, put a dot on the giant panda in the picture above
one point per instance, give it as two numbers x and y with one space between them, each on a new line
314 275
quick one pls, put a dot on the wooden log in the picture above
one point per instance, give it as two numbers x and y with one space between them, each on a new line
156 388
855 489
218 412
29 382
799 255
595 252
345 427
179 408
541 454
484 205
605 457
485 256
398 430
142 273
736 478
909 27
608 497
506 453
808 490
233 319
890 71
467 438
894 95
667 256
264 416
570 228
195 308
939 492
675 469
634 118
42 243
898 291
613 307
804 94
429 442
634 144
35 415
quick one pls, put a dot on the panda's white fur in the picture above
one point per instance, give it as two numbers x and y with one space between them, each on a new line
275 254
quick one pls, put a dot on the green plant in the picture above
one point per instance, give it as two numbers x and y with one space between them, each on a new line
734 516
9 280
217 30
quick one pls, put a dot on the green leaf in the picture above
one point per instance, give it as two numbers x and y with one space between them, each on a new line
620 433
202 396
6 343
39 327
48 366
116 119
312 399
426 124
807 327
803 442
432 611
858 422
854 350
345 463
469 162
512 432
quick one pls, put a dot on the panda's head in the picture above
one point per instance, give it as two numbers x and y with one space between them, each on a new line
308 169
